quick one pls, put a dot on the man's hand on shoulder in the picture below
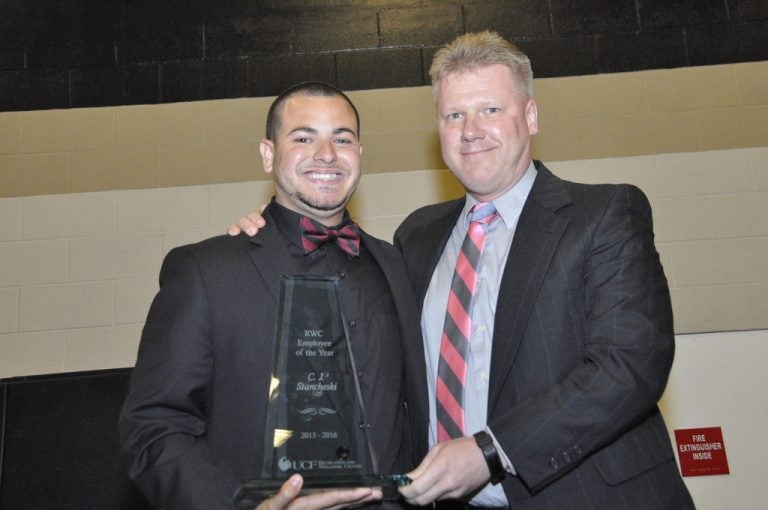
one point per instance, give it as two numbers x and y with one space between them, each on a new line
250 223
288 497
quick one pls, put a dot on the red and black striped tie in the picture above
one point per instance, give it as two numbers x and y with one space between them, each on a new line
454 346
315 234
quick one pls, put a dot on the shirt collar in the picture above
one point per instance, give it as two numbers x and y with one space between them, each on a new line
510 204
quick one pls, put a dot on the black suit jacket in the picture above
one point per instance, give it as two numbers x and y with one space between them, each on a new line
193 425
582 347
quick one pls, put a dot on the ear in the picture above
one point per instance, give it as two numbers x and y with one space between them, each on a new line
532 116
267 149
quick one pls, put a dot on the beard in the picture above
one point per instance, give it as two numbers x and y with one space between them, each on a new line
321 205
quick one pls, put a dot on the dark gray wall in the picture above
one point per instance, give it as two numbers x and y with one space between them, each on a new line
59 444
81 53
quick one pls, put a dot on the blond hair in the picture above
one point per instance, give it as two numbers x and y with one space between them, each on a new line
482 49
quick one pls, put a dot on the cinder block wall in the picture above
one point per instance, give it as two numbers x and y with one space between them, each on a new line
81 53
93 198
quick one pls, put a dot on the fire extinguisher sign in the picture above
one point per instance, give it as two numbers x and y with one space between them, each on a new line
701 451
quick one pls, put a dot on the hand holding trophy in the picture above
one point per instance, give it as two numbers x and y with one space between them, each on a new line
288 497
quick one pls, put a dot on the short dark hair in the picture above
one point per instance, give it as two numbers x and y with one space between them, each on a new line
307 88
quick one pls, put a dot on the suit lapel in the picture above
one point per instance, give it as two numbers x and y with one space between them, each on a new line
269 254
394 271
430 247
538 233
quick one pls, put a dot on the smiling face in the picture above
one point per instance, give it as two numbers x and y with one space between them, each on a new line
315 156
485 127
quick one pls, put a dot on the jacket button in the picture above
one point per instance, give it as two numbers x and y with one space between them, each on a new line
566 457
352 324
576 451
553 463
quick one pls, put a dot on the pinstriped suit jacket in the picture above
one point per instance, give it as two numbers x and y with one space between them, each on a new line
582 348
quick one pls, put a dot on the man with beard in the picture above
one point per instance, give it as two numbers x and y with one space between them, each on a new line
193 424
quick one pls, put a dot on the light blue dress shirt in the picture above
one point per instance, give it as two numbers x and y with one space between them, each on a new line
498 241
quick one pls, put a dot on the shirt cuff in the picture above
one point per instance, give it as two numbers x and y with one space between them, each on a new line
508 467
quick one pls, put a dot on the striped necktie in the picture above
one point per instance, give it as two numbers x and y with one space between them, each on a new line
454 346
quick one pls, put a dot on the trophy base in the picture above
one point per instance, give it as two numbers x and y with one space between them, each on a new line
253 492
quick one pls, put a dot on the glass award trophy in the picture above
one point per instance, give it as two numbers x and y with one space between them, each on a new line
316 421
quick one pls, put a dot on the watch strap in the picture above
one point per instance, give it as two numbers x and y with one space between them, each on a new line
492 458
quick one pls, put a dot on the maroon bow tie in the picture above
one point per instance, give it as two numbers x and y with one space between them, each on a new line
315 234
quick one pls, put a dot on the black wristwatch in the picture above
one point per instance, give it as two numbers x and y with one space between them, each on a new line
485 442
